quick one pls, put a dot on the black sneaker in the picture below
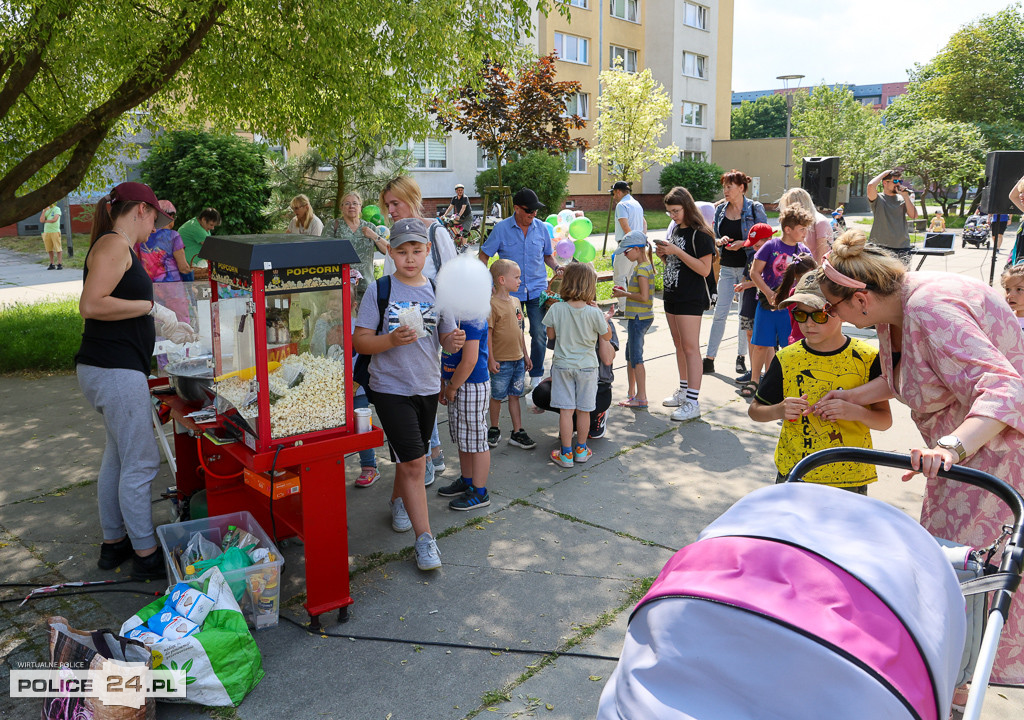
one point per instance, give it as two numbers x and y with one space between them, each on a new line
493 436
519 438
709 366
150 567
455 489
59 266
52 267
741 364
113 555
598 424
470 500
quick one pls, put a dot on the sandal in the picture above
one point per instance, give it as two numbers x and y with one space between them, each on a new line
633 403
748 389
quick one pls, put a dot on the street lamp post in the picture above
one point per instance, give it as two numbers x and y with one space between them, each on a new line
789 116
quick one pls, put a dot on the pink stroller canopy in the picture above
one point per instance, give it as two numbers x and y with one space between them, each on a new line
801 601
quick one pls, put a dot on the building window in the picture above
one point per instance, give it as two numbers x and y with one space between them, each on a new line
576 161
429 154
579 3
571 48
695 16
694 114
484 161
694 155
626 10
578 104
695 65
627 56
870 100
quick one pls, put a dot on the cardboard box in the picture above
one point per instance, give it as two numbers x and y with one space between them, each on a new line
285 483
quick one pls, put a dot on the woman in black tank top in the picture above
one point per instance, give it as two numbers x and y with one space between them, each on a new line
113 363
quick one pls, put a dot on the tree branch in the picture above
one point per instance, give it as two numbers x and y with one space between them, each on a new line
22 73
142 84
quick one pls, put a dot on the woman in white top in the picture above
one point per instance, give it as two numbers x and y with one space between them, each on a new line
819 235
400 199
305 221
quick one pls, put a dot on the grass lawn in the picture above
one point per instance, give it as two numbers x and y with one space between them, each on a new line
40 337
33 245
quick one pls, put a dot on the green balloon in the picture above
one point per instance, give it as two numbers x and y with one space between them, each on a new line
552 220
370 212
585 252
377 219
580 228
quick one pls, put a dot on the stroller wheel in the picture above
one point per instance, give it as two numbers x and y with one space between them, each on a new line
963 244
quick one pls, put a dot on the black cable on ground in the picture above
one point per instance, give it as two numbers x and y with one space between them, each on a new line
441 643
45 596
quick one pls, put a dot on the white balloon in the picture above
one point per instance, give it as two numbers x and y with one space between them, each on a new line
566 216
464 289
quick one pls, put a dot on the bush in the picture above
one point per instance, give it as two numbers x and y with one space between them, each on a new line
547 175
702 179
196 170
40 336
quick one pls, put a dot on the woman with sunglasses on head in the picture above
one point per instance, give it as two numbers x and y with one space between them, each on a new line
305 221
113 362
952 351
802 373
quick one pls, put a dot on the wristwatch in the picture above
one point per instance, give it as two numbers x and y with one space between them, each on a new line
953 444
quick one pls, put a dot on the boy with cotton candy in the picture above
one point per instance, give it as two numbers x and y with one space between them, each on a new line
405 377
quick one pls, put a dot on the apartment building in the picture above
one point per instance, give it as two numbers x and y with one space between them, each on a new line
688 47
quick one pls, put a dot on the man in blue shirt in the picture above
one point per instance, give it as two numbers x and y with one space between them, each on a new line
524 239
629 216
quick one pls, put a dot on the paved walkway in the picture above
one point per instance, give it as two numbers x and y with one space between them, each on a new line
552 565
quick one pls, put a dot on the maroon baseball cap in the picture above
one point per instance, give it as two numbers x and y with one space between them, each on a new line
140 192
759 232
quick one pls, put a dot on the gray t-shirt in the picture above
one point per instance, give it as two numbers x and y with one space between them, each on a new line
630 209
889 228
576 333
413 369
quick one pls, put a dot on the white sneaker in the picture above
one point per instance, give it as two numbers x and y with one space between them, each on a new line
687 411
427 557
675 399
429 473
400 521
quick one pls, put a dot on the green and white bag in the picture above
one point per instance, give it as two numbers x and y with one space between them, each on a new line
221 662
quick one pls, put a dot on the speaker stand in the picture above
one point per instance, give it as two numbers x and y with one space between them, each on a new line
992 271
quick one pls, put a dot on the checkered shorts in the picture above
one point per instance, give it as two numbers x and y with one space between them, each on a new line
467 417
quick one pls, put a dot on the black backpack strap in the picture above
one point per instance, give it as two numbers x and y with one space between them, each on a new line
435 252
383 298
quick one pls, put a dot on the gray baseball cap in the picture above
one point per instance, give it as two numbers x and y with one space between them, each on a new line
408 230
807 292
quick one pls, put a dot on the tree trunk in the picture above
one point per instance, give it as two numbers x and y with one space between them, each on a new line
85 135
339 190
608 224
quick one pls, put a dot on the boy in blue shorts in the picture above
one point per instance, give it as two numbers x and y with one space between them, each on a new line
509 358
405 376
466 389
772 327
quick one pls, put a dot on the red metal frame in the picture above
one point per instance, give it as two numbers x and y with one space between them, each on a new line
318 513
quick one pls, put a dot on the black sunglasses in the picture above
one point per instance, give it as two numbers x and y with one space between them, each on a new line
820 317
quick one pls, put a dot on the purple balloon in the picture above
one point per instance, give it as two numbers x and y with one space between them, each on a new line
707 210
565 249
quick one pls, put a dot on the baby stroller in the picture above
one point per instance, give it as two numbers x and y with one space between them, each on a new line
975 232
802 601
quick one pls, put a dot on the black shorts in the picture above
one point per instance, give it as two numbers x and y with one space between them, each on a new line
407 421
685 307
998 227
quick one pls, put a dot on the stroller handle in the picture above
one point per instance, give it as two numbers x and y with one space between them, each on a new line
1013 554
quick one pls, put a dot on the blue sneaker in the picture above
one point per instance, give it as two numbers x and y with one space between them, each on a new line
470 500
400 521
428 474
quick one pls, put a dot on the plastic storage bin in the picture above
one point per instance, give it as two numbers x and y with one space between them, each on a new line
261 601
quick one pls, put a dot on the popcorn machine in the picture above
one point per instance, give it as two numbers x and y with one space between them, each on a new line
281 323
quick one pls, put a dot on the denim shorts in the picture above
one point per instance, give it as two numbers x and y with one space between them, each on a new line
635 331
509 380
574 389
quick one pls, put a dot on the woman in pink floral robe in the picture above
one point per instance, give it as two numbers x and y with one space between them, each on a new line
952 351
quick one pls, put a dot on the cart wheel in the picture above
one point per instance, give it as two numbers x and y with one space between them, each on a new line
343 615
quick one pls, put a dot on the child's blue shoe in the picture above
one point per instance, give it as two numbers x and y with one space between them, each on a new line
582 453
560 458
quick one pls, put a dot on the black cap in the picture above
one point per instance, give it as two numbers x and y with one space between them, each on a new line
621 185
528 199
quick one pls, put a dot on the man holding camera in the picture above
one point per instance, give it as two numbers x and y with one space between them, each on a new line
891 209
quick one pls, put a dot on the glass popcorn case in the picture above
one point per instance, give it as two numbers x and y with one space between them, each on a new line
281 321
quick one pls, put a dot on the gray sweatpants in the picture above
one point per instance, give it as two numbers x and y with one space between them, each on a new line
131 458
